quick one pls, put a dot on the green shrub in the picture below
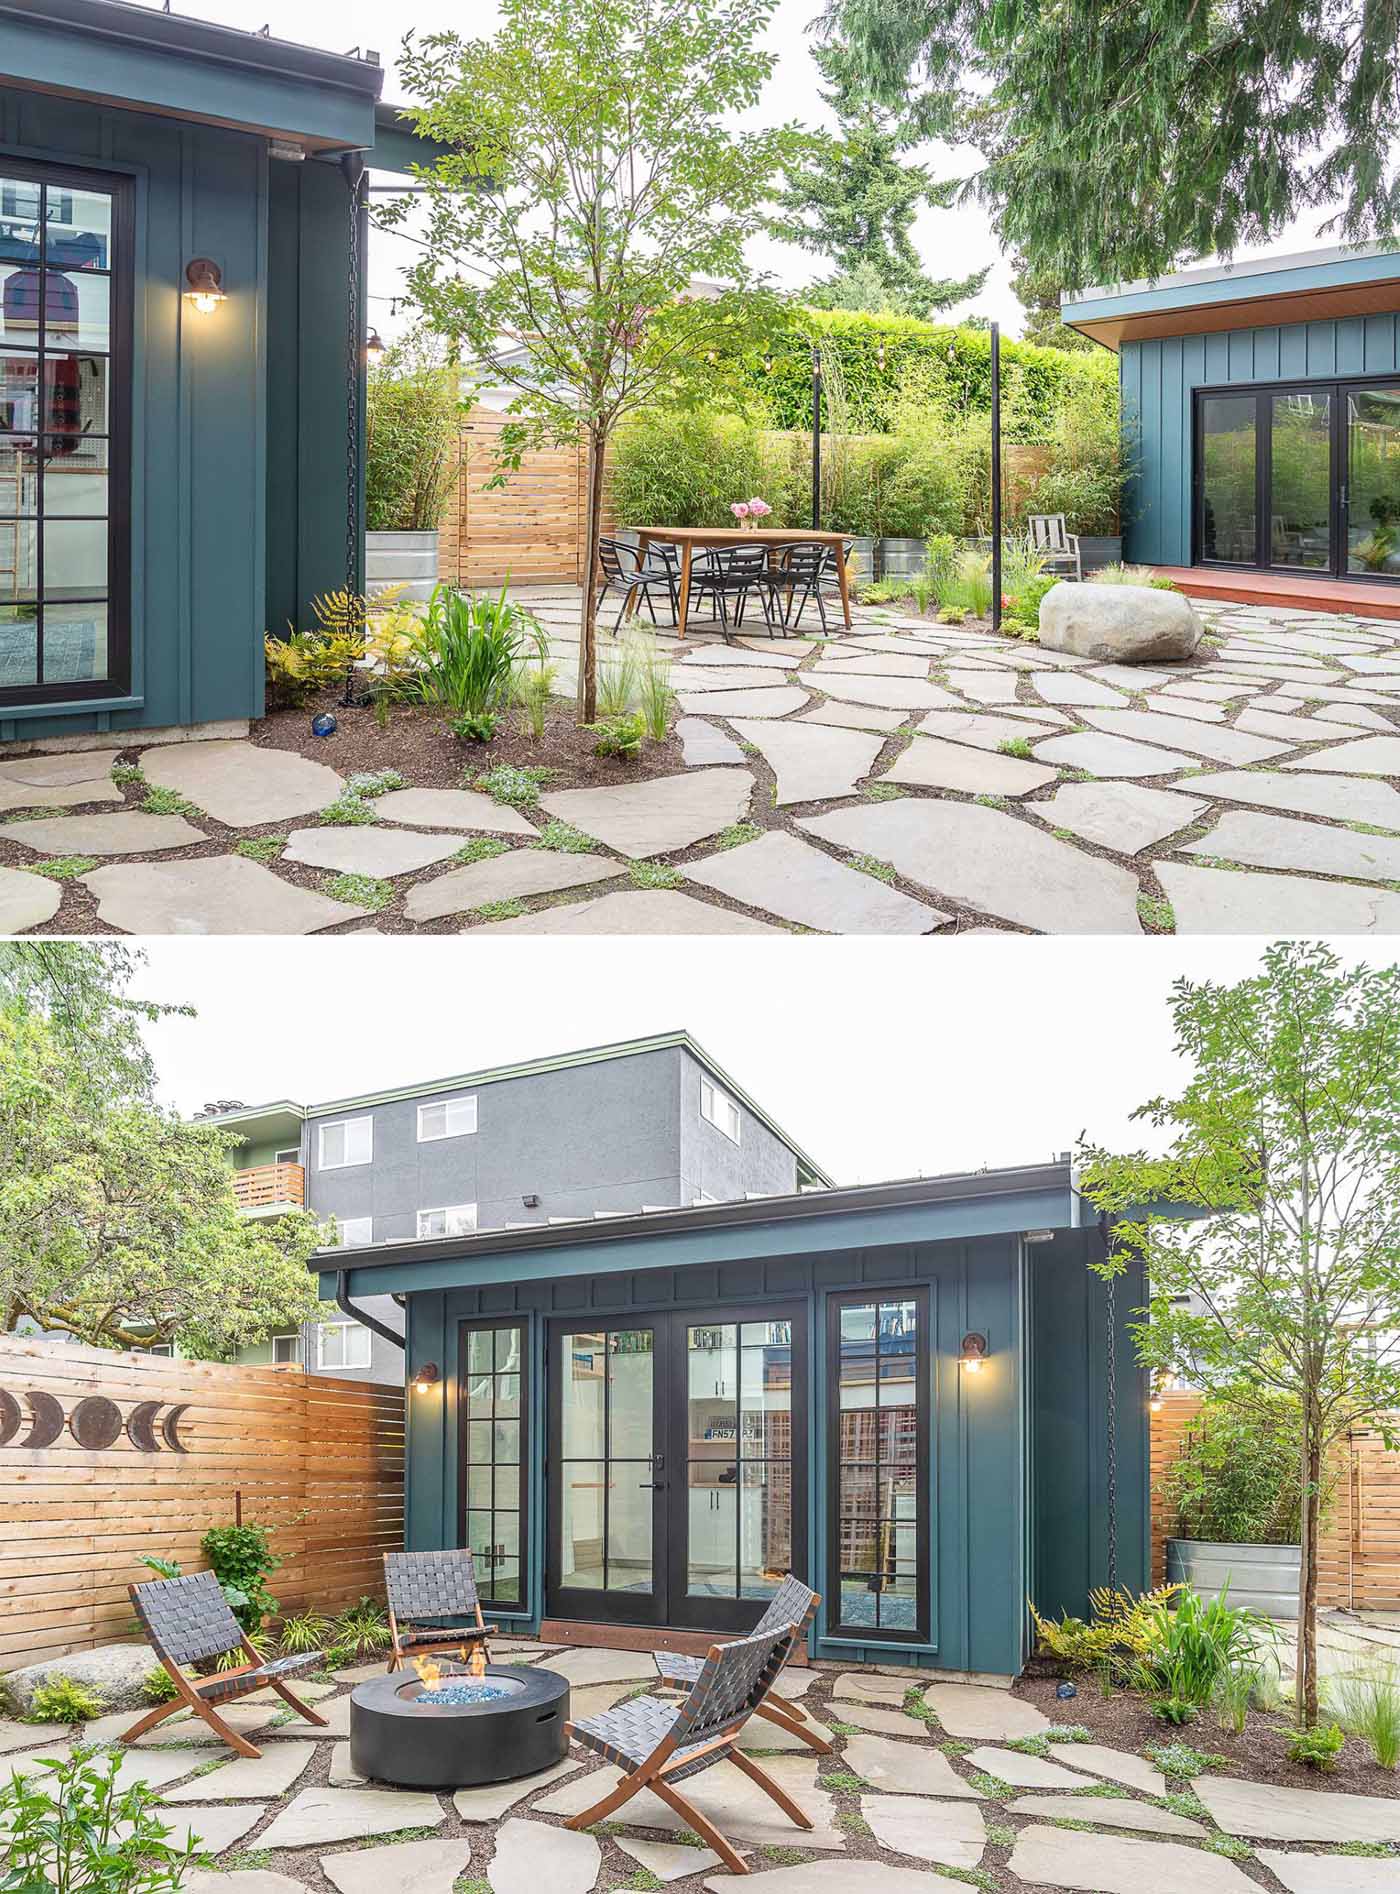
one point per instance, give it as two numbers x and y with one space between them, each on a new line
534 686
1179 1759
465 653
241 1558
1194 1643
374 782
1369 1706
411 411
517 788
1317 1748
59 1700
1235 1479
475 727
305 1631
69 1830
686 469
363 1627
348 812
361 891
619 736
158 1686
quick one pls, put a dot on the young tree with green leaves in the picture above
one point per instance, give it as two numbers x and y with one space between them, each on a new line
593 193
1287 1138
1121 140
853 199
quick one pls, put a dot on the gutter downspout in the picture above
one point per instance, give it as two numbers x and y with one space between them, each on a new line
357 1314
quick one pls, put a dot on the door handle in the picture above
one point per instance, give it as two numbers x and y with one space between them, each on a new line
651 1486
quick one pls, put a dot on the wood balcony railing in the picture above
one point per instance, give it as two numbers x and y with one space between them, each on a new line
267 1185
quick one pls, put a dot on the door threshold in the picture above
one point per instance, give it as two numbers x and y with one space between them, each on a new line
641 1637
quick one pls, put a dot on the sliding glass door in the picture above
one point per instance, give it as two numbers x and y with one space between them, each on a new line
1300 478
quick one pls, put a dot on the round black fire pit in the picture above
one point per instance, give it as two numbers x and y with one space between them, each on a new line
400 1734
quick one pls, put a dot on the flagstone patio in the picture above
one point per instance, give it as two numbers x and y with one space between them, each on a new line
903 778
900 1801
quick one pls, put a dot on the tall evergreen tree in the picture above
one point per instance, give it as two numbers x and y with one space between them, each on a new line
852 198
1039 295
1120 140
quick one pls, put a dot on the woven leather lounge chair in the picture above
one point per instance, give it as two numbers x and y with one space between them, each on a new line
187 1620
658 1744
793 1603
425 1587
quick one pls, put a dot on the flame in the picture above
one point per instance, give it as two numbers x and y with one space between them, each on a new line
429 1672
476 1663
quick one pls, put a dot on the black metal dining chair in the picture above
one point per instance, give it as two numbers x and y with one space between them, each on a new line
632 573
807 571
728 576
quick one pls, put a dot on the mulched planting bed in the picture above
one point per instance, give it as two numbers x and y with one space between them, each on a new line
1125 1721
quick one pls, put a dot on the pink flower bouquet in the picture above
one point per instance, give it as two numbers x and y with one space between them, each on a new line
750 512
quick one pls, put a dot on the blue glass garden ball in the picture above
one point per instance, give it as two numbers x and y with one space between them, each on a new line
1065 1691
323 725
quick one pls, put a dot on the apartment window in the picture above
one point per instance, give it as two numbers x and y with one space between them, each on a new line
287 1157
719 1110
354 1232
458 1219
158 1348
286 1348
450 1118
349 1142
342 1345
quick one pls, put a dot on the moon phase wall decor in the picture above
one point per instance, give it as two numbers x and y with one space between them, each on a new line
95 1422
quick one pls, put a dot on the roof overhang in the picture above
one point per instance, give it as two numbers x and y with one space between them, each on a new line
1008 1203
140 58
280 1122
1259 292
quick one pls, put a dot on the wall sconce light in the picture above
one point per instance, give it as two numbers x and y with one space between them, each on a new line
530 1201
426 1378
374 348
973 1352
206 284
1155 1398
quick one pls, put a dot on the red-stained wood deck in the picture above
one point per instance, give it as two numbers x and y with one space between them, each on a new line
1288 590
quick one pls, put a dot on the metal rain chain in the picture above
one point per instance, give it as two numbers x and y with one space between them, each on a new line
355 180
1111 1437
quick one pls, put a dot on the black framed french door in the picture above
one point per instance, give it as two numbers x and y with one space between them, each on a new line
66 248
1299 477
677 1466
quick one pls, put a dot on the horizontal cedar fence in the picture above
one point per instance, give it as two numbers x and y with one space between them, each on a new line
168 1446
1359 1553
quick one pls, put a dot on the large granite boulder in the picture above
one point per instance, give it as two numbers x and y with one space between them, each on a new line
1119 624
114 1673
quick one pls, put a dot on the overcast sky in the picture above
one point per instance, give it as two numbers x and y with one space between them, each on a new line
882 1059
953 243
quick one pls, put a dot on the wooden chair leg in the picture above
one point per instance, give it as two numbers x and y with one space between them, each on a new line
151 1718
302 1709
772 1713
788 1708
706 1830
216 1723
767 1784
623 1792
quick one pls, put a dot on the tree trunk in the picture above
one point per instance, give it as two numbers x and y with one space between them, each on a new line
1305 1674
588 626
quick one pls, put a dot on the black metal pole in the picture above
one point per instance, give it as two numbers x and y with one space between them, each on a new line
816 439
996 476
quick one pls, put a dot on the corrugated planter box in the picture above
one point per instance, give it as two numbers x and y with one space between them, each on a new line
1262 1576
409 560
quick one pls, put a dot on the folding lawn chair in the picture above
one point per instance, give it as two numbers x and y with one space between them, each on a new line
188 1620
425 1587
793 1603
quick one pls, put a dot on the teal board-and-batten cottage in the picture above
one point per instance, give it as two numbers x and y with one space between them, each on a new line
917 1394
1261 415
182 320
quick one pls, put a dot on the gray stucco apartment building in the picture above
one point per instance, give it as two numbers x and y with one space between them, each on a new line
650 1124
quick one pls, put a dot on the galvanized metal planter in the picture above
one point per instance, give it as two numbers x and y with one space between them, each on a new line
1264 1577
902 558
406 559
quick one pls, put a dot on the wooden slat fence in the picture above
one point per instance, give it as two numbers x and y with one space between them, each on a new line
1359 1553
170 1444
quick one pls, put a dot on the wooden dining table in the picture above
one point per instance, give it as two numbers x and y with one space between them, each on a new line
688 538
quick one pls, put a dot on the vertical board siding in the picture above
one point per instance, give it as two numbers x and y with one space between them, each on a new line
1158 380
317 1459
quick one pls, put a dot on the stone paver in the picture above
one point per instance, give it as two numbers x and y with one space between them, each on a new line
1365 756
1115 1765
702 743
789 878
662 911
1278 841
771 700
382 853
1225 901
750 678
869 1686
1072 687
1183 733
57 782
761 1737
1123 816
270 1774
124 832
878 1721
451 809
26 900
904 1768
1020 1770
1107 1812
812 764
239 1881
491 1800
520 874
404 1867
974 1713
1294 729
932 763
724 1795
854 716
949 1833
154 1767
221 894
832 1877
889 693
990 863
240 783
1119 1864
530 1856
1102 755
1264 1811
983 732
317 1816
1330 796
592 1665
719 657
213 1827
1330 1874
657 816
667 1860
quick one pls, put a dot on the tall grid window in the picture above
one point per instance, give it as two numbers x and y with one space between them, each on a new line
738 1458
879 1457
63 388
493 1458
